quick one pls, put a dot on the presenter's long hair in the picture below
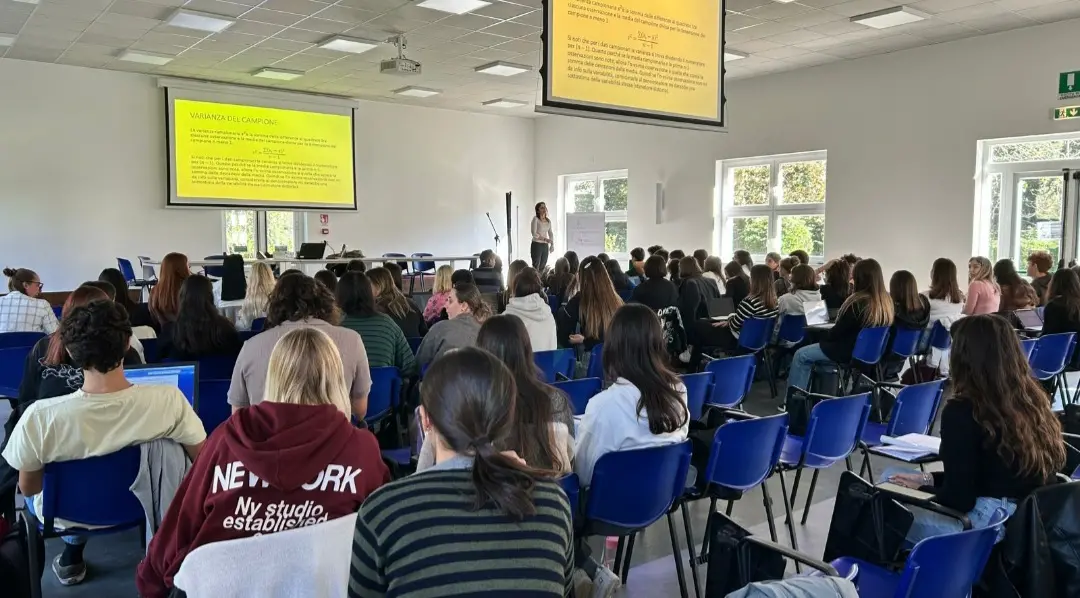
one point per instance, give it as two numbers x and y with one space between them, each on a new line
537 208
599 301
165 296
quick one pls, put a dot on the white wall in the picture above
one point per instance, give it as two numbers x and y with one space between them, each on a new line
900 129
83 176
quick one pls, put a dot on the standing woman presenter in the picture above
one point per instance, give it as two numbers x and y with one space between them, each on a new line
543 237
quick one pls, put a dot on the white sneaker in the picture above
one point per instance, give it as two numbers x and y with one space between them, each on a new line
605 583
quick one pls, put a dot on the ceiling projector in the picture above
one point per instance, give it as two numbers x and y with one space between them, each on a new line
399 65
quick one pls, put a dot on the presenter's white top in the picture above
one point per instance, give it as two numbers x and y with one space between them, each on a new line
542 231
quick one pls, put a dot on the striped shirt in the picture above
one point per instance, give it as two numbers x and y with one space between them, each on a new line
384 341
751 307
419 537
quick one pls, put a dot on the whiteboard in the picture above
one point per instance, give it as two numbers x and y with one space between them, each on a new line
585 233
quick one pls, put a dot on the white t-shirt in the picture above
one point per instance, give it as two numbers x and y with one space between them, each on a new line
81 425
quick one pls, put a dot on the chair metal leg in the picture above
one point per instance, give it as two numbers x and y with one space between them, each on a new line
795 486
630 553
769 372
790 519
847 461
730 506
34 556
810 496
767 501
617 563
690 547
676 554
869 466
705 540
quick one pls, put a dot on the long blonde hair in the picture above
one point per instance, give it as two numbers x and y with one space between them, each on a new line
985 271
870 289
444 279
260 285
306 369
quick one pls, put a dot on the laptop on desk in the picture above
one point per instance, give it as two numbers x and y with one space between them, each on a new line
311 251
184 376
720 309
1029 319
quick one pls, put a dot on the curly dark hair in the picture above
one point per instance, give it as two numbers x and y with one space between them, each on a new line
298 297
96 335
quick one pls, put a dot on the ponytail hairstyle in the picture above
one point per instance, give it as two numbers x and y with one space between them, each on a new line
470 295
19 278
56 353
869 288
469 398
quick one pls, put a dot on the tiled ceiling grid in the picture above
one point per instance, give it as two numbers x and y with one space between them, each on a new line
285 33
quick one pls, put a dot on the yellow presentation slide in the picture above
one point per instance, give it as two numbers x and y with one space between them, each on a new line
661 56
262 155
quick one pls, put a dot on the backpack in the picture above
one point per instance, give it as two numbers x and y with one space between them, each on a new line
14 563
674 332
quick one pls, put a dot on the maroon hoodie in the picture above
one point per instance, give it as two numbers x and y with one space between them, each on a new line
270 467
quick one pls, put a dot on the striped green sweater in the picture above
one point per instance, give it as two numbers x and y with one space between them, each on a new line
384 342
419 538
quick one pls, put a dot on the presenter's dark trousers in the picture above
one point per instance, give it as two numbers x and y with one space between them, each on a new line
539 256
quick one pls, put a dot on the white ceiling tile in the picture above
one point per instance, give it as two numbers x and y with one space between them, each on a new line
938 6
116 31
301 35
821 44
782 52
324 26
794 37
1017 5
812 59
391 22
32 53
533 19
511 29
777 10
300 7
139 9
744 5
837 27
99 4
11 25
254 28
173 39
859 7
56 24
503 10
735 22
944 32
811 18
519 46
469 21
55 34
128 21
273 17
175 3
979 11
217 7
1051 13
81 60
26 40
1002 22
419 13
755 45
490 54
345 14
482 39
283 45
62 10
375 5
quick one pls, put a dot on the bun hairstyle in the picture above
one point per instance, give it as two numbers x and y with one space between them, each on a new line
18 278
469 397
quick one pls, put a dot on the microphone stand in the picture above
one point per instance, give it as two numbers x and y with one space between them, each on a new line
494 230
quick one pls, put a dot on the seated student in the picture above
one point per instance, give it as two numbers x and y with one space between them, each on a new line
946 299
760 303
543 420
637 263
110 293
911 311
486 277
21 310
585 317
983 295
257 297
530 305
804 258
646 406
676 254
695 292
999 439
440 293
804 288
783 281
297 451
395 270
714 270
742 257
138 313
106 414
619 279
384 342
1016 293
603 257
655 291
736 282
558 283
837 287
356 266
1063 310
199 329
467 310
515 268
327 279
673 270
299 302
1038 268
572 261
477 495
165 296
390 301
869 306
772 260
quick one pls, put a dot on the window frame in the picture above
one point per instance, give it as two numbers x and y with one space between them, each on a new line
725 210
300 233
612 216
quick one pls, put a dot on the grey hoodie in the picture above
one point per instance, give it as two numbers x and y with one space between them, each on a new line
535 312
792 303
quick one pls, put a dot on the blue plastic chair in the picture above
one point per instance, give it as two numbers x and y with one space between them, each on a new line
572 487
1051 356
258 324
125 267
626 295
697 390
404 265
553 303
14 347
213 407
940 338
732 378
596 362
554 363
94 491
580 391
743 455
1027 345
150 349
217 271
414 343
217 368
631 490
754 337
912 413
905 345
58 310
868 352
384 396
421 268
947 565
792 329
246 335
834 430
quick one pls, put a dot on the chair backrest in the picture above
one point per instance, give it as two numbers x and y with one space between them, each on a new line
219 367
213 407
835 427
404 265
15 340
126 269
246 335
58 310
147 269
12 366
580 391
792 328
906 341
632 489
756 333
423 266
385 393
949 564
870 345
744 452
1052 352
697 390
150 349
626 294
559 361
732 378
553 303
915 408
1027 345
94 491
258 324
414 343
596 362
571 485
939 337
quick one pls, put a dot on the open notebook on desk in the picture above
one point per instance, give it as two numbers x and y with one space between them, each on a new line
909 447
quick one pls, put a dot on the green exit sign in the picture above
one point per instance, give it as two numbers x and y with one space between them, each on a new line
1066 112
1069 85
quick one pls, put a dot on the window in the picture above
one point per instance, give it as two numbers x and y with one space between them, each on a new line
773 203
605 192
249 231
1020 194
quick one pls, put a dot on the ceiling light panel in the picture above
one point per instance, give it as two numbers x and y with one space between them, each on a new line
890 17
199 21
352 45
278 74
504 103
503 69
457 7
413 91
